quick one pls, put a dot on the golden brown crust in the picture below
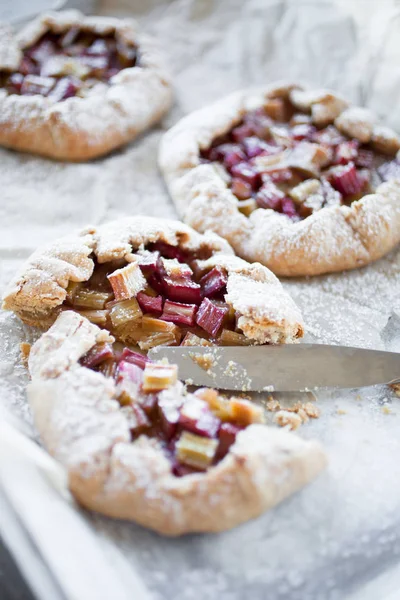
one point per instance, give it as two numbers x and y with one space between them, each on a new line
81 425
82 128
332 239
267 313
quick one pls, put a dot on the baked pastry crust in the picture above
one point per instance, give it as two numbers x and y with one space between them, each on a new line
82 128
80 423
331 239
36 294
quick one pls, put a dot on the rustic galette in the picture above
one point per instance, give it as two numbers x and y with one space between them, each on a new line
294 178
152 281
137 445
75 87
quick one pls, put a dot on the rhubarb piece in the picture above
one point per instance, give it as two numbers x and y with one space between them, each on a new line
364 158
149 332
181 314
214 282
241 189
253 146
191 339
329 136
389 170
345 179
303 131
72 290
276 108
66 87
169 417
220 407
96 355
175 269
308 158
108 368
28 67
300 119
278 175
307 188
196 451
288 208
246 207
150 304
33 84
98 317
159 377
149 262
259 122
127 282
136 418
182 290
135 358
245 413
247 173
69 37
84 298
227 437
210 317
42 51
346 152
169 251
239 134
124 312
269 196
14 83
195 416
233 338
129 371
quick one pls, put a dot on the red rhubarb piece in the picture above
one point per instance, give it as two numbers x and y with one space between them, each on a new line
169 251
210 317
195 416
280 175
96 355
178 313
149 304
33 84
66 87
14 83
346 152
269 196
288 207
128 371
345 179
364 158
182 290
329 136
241 189
169 417
214 282
241 132
134 357
253 146
247 173
302 132
227 436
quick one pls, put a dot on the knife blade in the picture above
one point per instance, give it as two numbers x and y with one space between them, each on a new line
283 368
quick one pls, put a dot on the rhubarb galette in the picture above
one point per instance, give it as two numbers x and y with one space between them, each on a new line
152 281
293 178
75 87
137 445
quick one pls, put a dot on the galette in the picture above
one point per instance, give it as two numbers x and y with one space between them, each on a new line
137 445
75 87
152 281
294 178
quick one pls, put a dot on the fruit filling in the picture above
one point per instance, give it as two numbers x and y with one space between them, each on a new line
195 430
164 296
275 158
62 65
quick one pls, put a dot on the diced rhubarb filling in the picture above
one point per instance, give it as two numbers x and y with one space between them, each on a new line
275 150
163 296
195 430
61 65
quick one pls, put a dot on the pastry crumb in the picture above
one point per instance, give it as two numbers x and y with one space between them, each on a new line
386 410
285 418
205 361
25 349
311 410
341 411
273 405
396 388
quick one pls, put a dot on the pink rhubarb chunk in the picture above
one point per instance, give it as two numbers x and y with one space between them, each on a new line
179 313
210 316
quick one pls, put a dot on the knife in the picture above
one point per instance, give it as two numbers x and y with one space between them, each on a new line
281 368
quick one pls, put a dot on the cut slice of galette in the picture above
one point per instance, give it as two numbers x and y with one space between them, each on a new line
152 281
137 445
293 178
75 87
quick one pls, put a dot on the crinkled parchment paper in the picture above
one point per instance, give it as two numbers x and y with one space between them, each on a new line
344 529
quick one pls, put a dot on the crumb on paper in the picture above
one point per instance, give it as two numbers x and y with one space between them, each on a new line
273 405
25 349
341 411
189 381
396 388
285 418
386 410
268 388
